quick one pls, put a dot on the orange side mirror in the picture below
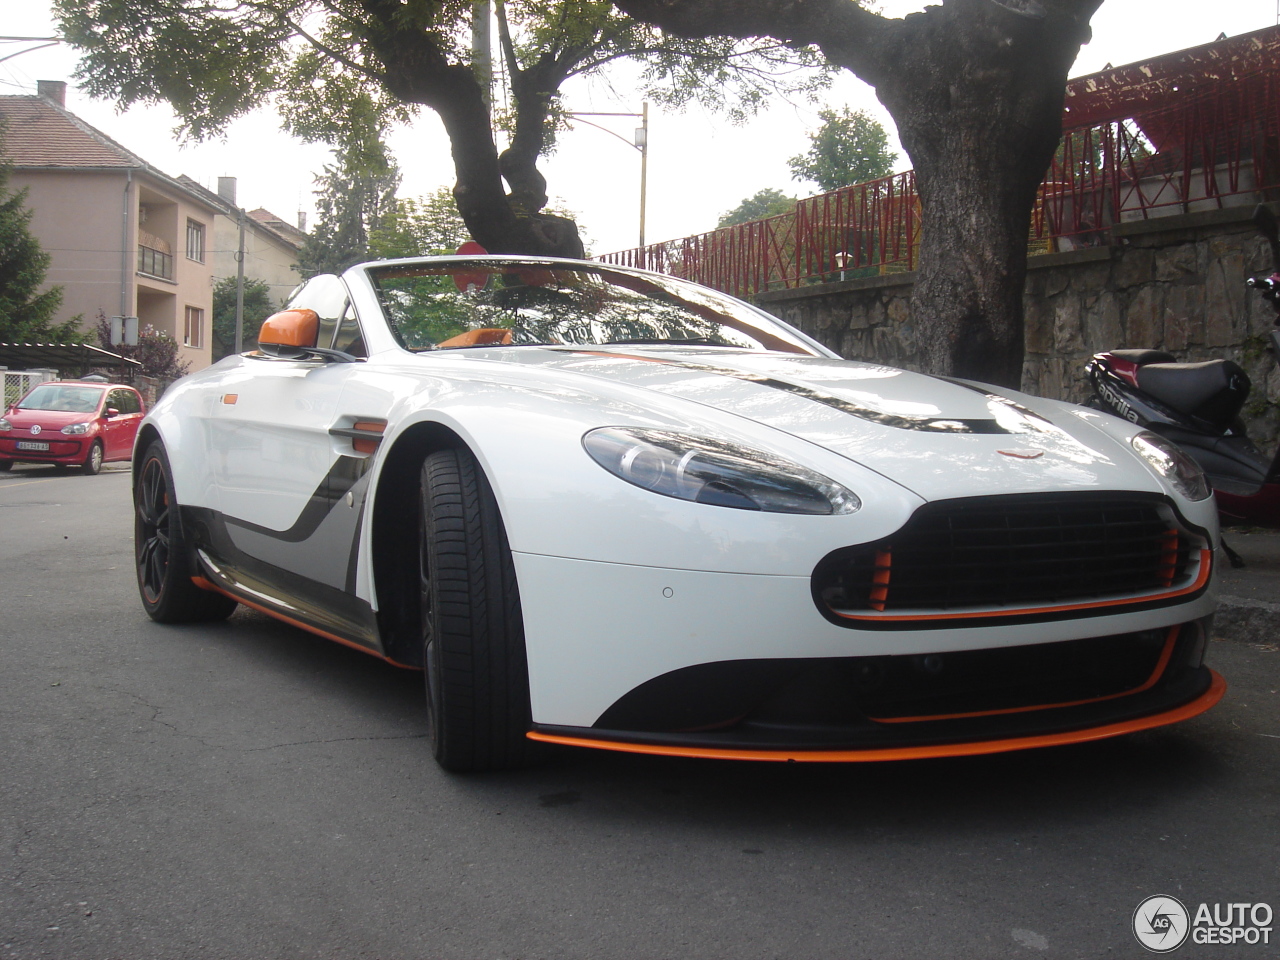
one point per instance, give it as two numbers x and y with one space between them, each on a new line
288 331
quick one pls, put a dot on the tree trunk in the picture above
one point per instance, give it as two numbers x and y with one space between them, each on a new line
976 91
418 72
975 88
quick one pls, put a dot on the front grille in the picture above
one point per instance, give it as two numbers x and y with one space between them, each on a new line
1011 552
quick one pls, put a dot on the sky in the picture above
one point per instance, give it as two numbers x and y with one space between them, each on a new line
700 165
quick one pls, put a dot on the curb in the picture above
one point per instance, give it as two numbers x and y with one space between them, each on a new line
1246 620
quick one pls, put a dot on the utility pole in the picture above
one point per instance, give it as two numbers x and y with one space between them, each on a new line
640 142
240 286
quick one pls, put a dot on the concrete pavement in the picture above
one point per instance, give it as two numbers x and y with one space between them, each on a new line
1249 598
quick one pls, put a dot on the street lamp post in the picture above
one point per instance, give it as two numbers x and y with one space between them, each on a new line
640 143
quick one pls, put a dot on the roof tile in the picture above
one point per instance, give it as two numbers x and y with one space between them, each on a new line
42 134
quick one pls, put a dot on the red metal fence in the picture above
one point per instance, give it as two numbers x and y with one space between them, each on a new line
1198 130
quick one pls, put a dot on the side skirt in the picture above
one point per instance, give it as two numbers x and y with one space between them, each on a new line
315 607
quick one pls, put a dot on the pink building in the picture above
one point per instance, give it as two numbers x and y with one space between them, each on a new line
125 238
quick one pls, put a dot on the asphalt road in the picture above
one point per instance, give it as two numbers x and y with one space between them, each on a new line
249 791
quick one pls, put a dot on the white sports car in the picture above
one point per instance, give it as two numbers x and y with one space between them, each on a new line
609 508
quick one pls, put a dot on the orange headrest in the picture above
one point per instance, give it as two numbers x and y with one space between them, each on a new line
483 336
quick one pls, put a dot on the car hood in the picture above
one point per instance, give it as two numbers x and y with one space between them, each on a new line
48 419
939 438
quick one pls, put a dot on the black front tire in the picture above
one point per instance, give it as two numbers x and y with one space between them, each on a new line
6 466
477 676
162 557
93 462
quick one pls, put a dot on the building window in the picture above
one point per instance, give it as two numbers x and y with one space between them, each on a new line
195 241
193 328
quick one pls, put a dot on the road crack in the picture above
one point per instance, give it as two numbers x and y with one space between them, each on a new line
155 718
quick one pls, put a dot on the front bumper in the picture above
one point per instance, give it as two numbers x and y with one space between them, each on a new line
691 663
64 449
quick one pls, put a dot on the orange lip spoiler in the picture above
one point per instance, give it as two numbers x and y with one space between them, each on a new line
1217 688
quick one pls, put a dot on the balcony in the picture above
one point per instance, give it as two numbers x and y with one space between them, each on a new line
155 263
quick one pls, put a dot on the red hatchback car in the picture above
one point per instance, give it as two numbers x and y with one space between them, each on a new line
71 423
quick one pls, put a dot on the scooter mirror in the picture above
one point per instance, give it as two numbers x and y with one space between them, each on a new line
1265 221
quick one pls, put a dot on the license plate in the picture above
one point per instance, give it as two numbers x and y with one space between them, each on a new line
32 445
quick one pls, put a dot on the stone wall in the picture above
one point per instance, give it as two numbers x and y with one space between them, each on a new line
1175 283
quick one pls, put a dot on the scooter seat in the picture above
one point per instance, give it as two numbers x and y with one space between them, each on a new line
1214 390
1143 357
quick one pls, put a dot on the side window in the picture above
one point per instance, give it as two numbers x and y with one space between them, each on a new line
116 399
130 402
327 296
349 339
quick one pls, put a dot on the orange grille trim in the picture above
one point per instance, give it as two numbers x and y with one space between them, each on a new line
1206 559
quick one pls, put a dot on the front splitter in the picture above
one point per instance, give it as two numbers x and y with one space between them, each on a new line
1217 687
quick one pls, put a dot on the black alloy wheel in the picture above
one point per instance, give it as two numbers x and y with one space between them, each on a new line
162 557
477 681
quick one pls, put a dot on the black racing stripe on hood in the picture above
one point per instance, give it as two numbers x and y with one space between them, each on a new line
925 424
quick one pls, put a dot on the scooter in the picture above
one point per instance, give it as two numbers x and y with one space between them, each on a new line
1197 406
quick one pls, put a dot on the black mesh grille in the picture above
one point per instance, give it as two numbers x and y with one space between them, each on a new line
1011 552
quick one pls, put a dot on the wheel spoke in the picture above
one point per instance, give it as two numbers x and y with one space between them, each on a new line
150 497
153 535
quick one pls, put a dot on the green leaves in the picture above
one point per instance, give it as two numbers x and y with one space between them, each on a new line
257 307
763 203
413 228
343 71
850 147
211 64
356 192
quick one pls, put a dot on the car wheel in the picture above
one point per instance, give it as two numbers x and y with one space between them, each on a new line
473 634
162 556
6 466
93 463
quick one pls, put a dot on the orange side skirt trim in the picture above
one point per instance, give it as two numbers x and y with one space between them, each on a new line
206 584
1198 706
1203 578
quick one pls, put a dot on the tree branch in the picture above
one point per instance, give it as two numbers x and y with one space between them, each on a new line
842 29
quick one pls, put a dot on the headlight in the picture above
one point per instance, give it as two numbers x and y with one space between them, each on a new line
74 429
1171 463
5 424
716 472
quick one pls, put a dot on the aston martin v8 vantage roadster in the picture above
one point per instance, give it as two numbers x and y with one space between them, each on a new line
609 508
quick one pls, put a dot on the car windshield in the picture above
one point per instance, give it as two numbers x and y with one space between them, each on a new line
498 303
63 397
